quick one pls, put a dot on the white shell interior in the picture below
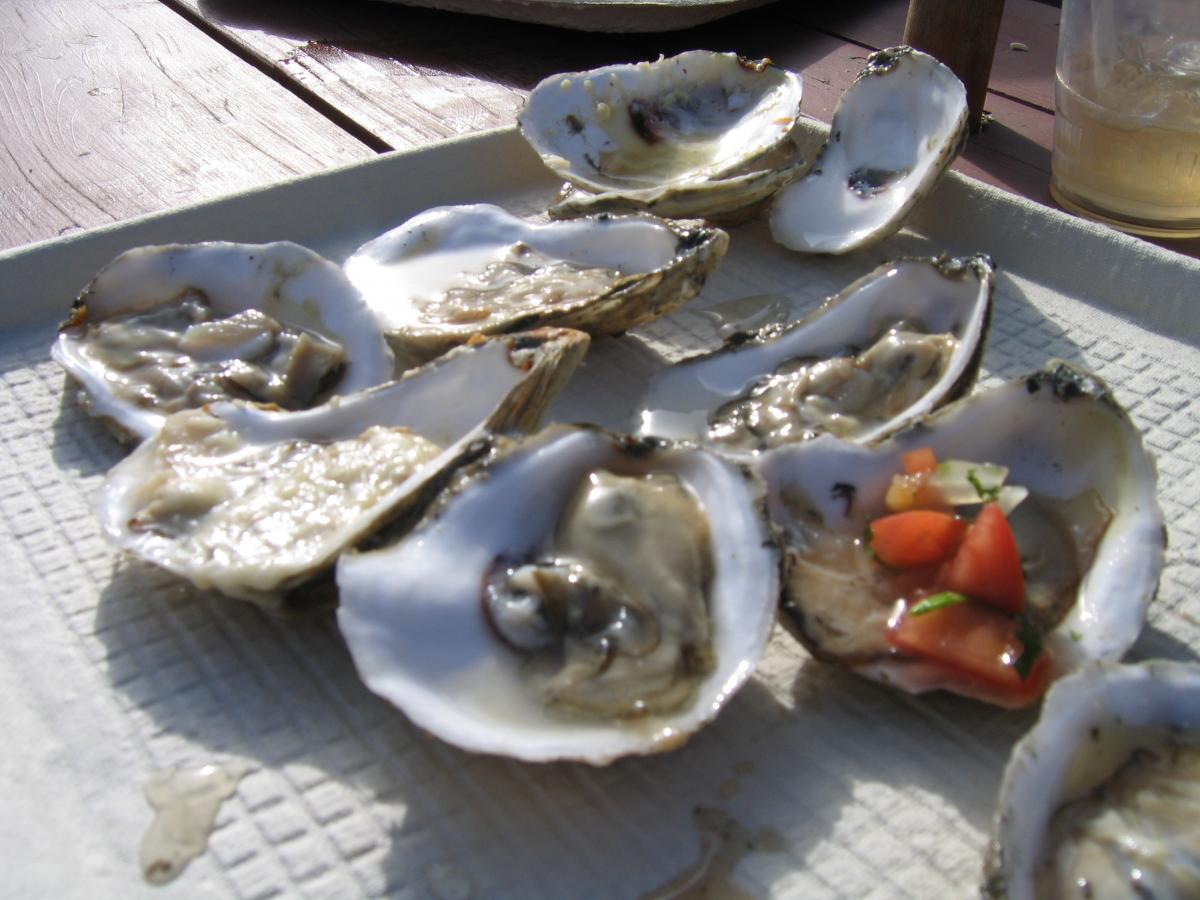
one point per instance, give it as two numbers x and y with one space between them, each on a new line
678 403
1090 722
720 113
412 616
288 282
906 121
1055 448
428 253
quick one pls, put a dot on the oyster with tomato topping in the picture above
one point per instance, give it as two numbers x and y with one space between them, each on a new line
1035 552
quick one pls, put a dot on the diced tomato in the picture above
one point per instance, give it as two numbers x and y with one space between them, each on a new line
976 643
917 537
920 460
987 565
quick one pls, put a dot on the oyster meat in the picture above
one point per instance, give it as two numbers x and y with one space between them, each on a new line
456 271
574 596
893 345
1101 799
895 130
1089 534
254 502
161 329
698 134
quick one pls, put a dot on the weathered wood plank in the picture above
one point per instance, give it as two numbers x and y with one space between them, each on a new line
410 76
114 108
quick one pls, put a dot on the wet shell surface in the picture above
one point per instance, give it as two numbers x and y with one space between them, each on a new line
438 624
894 132
667 135
455 271
1064 438
1102 797
220 306
255 502
891 347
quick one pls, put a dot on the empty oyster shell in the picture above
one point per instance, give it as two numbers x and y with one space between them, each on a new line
165 328
575 596
456 271
1092 544
682 136
254 502
889 348
895 130
1100 798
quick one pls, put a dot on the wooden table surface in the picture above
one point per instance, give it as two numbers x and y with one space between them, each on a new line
116 108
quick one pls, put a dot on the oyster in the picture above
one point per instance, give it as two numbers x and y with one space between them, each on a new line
455 271
894 132
1090 534
893 345
1102 797
698 134
160 329
575 596
253 502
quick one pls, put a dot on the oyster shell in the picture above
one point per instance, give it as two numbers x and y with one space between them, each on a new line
894 132
1101 798
889 348
173 327
254 502
690 135
511 622
455 271
1092 546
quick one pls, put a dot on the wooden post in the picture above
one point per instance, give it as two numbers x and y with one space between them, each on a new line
963 36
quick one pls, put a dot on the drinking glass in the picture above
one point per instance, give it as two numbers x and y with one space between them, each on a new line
1127 114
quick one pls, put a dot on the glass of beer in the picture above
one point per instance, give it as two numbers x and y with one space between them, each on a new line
1127 115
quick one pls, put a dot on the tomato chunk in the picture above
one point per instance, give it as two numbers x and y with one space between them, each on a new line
920 460
916 537
987 564
976 643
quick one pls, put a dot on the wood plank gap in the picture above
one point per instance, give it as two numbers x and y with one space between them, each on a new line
311 98
1029 104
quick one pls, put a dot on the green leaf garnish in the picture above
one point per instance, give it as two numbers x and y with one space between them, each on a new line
1031 646
985 493
866 541
937 601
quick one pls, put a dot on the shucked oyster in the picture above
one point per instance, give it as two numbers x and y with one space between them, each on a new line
456 271
1102 798
161 329
1089 534
698 134
892 346
576 596
896 129
254 502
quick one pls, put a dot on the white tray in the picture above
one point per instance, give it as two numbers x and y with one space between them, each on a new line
812 783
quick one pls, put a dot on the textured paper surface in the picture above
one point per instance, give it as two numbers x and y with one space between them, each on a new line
830 786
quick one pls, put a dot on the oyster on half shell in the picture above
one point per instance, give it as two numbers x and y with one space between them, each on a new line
165 328
576 595
456 271
699 134
1090 534
255 502
896 129
1101 799
889 348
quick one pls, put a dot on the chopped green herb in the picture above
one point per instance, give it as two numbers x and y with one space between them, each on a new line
866 541
1076 636
985 493
937 601
1031 646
